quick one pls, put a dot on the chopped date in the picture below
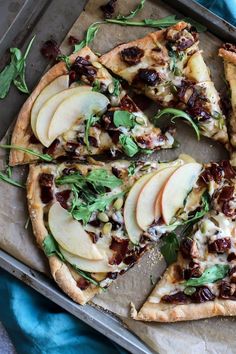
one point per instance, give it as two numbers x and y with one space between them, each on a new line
143 102
217 172
95 223
147 76
46 190
188 248
202 294
115 135
63 197
50 49
109 8
107 120
94 237
82 67
229 171
93 141
120 247
132 55
226 193
227 290
178 298
134 255
220 245
228 210
232 274
46 180
193 271
127 104
229 46
34 140
231 257
83 284
52 148
116 171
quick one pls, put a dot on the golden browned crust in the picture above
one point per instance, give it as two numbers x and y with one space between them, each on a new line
228 55
22 130
65 277
173 313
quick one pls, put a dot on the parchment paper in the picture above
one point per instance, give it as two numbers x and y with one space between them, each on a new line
206 336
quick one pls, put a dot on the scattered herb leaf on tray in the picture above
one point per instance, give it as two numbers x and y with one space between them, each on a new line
133 13
44 157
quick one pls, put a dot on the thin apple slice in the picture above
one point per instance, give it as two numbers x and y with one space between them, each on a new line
59 84
87 265
48 109
131 225
72 109
177 188
145 210
70 234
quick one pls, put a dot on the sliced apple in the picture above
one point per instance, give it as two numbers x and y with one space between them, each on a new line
72 109
196 68
87 265
132 228
177 188
145 210
48 109
70 234
59 84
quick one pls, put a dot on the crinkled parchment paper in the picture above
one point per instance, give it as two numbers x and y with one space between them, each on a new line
206 336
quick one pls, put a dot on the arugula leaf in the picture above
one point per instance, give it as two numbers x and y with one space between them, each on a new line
90 35
128 144
9 180
83 211
177 113
44 157
116 91
148 22
50 247
101 177
8 171
90 121
133 13
170 248
96 86
131 169
210 275
124 119
66 60
7 76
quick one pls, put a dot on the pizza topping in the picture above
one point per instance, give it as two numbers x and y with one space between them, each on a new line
34 140
227 290
63 197
120 247
127 104
229 46
194 270
177 298
46 186
52 148
220 245
229 209
181 40
232 274
94 237
229 172
188 248
231 257
109 8
132 55
226 193
202 294
83 284
82 67
148 77
50 49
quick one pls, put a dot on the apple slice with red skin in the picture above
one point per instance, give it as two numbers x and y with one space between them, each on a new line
177 188
145 210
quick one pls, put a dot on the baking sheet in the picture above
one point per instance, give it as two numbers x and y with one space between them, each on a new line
206 335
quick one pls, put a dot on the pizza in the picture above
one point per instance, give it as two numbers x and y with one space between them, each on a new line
200 282
79 109
169 68
87 218
228 53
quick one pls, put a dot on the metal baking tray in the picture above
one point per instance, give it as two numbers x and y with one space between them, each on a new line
53 19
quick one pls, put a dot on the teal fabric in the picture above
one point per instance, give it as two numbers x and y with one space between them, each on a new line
35 324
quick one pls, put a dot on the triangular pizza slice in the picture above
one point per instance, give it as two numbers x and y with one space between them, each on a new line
79 109
201 282
168 67
94 221
228 53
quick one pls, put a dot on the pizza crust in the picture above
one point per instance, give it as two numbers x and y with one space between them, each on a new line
64 276
22 130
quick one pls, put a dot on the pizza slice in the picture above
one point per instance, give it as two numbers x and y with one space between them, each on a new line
228 53
168 67
79 109
87 218
200 279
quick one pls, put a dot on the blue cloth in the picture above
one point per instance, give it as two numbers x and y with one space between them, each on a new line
35 324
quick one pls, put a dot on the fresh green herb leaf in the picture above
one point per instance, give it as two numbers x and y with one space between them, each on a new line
90 35
210 275
124 119
9 180
7 76
84 211
147 151
19 80
101 177
170 248
44 157
177 113
189 290
133 13
66 60
116 91
131 169
96 86
51 248
129 146
90 121
8 171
